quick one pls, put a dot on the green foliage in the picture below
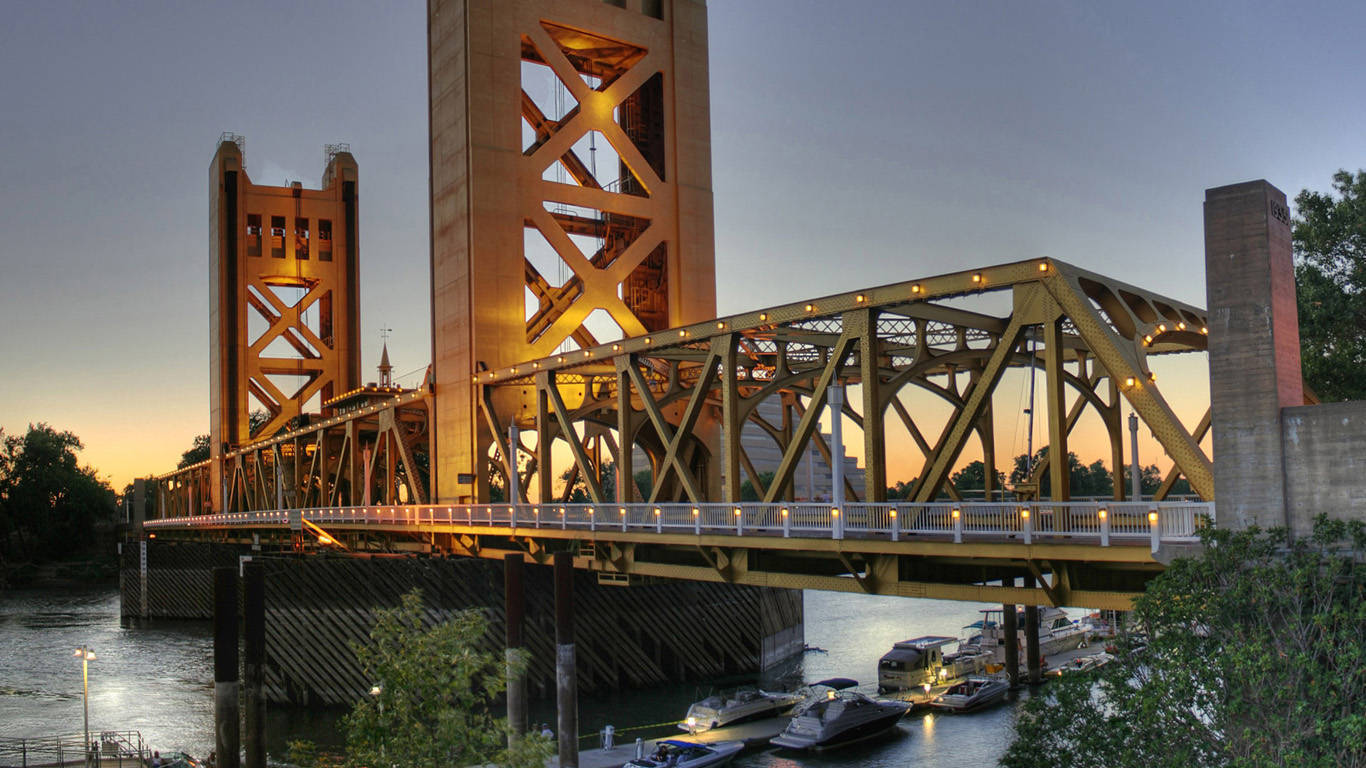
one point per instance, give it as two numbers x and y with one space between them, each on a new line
437 692
973 477
1329 235
198 451
1089 480
747 490
1257 658
50 506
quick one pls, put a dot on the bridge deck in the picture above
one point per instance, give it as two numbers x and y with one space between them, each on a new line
1097 554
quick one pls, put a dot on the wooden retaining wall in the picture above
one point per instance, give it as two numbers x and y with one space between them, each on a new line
626 637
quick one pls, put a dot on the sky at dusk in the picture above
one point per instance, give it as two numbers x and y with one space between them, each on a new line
854 143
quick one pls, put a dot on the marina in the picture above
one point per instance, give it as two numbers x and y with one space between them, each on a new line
152 678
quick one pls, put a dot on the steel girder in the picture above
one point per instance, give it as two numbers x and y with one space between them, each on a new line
670 393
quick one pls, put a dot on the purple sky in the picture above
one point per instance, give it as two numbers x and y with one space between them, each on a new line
854 143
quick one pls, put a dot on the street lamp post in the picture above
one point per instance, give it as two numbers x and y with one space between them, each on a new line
86 656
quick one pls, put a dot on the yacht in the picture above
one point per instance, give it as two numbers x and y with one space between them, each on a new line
676 753
1082 664
737 706
1057 633
839 718
972 694
921 662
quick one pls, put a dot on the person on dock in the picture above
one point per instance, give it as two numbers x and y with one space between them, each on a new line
546 732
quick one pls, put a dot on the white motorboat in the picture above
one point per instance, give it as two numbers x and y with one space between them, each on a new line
1057 633
976 692
839 718
739 706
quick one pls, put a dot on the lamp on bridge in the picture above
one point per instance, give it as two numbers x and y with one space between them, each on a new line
86 656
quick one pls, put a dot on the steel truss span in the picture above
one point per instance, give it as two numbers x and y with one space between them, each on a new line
1095 554
681 396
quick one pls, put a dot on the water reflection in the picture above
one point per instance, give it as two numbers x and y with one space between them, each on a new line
159 679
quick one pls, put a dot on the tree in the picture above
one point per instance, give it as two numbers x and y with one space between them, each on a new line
200 447
49 503
1329 236
437 691
1254 658
973 478
747 490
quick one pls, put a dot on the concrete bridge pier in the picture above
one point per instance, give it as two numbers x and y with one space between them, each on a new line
566 677
515 601
226 711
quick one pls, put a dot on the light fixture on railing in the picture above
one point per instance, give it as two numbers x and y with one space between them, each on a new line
1101 514
656 511
1152 516
834 513
784 512
892 514
1024 513
956 514
695 512
623 511
737 511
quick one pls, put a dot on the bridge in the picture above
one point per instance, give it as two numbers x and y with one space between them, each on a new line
576 349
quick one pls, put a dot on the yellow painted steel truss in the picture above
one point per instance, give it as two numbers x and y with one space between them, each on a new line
666 393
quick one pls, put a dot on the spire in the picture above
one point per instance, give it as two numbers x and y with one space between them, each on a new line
386 378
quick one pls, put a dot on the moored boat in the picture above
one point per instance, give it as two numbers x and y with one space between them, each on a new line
921 662
739 706
677 753
839 718
974 693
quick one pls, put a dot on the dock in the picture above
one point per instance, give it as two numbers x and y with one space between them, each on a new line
754 734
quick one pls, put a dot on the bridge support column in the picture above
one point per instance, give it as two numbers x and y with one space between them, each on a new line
226 713
1032 661
1012 637
566 676
254 663
515 600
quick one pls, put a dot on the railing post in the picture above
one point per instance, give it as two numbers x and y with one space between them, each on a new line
564 519
1028 522
896 526
787 524
739 522
697 521
957 526
1104 528
1154 530
623 519
592 520
659 520
836 524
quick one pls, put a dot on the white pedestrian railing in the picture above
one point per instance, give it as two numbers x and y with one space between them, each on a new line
1027 522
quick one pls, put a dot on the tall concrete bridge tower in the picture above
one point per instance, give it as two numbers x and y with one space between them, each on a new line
571 195
284 300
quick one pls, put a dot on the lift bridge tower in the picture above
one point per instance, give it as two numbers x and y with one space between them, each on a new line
571 198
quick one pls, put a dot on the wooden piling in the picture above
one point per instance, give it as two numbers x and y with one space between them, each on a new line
226 711
1012 639
253 667
514 598
566 693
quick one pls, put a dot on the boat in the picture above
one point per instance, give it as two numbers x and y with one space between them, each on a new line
976 692
1082 664
921 662
839 718
1057 633
739 706
676 753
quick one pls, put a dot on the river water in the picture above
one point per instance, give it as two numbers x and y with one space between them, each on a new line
158 679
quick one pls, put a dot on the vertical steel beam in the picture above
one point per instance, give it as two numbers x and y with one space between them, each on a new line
731 424
870 384
545 438
1059 465
566 675
626 434
1032 661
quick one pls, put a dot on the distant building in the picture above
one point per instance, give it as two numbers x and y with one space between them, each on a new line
811 481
